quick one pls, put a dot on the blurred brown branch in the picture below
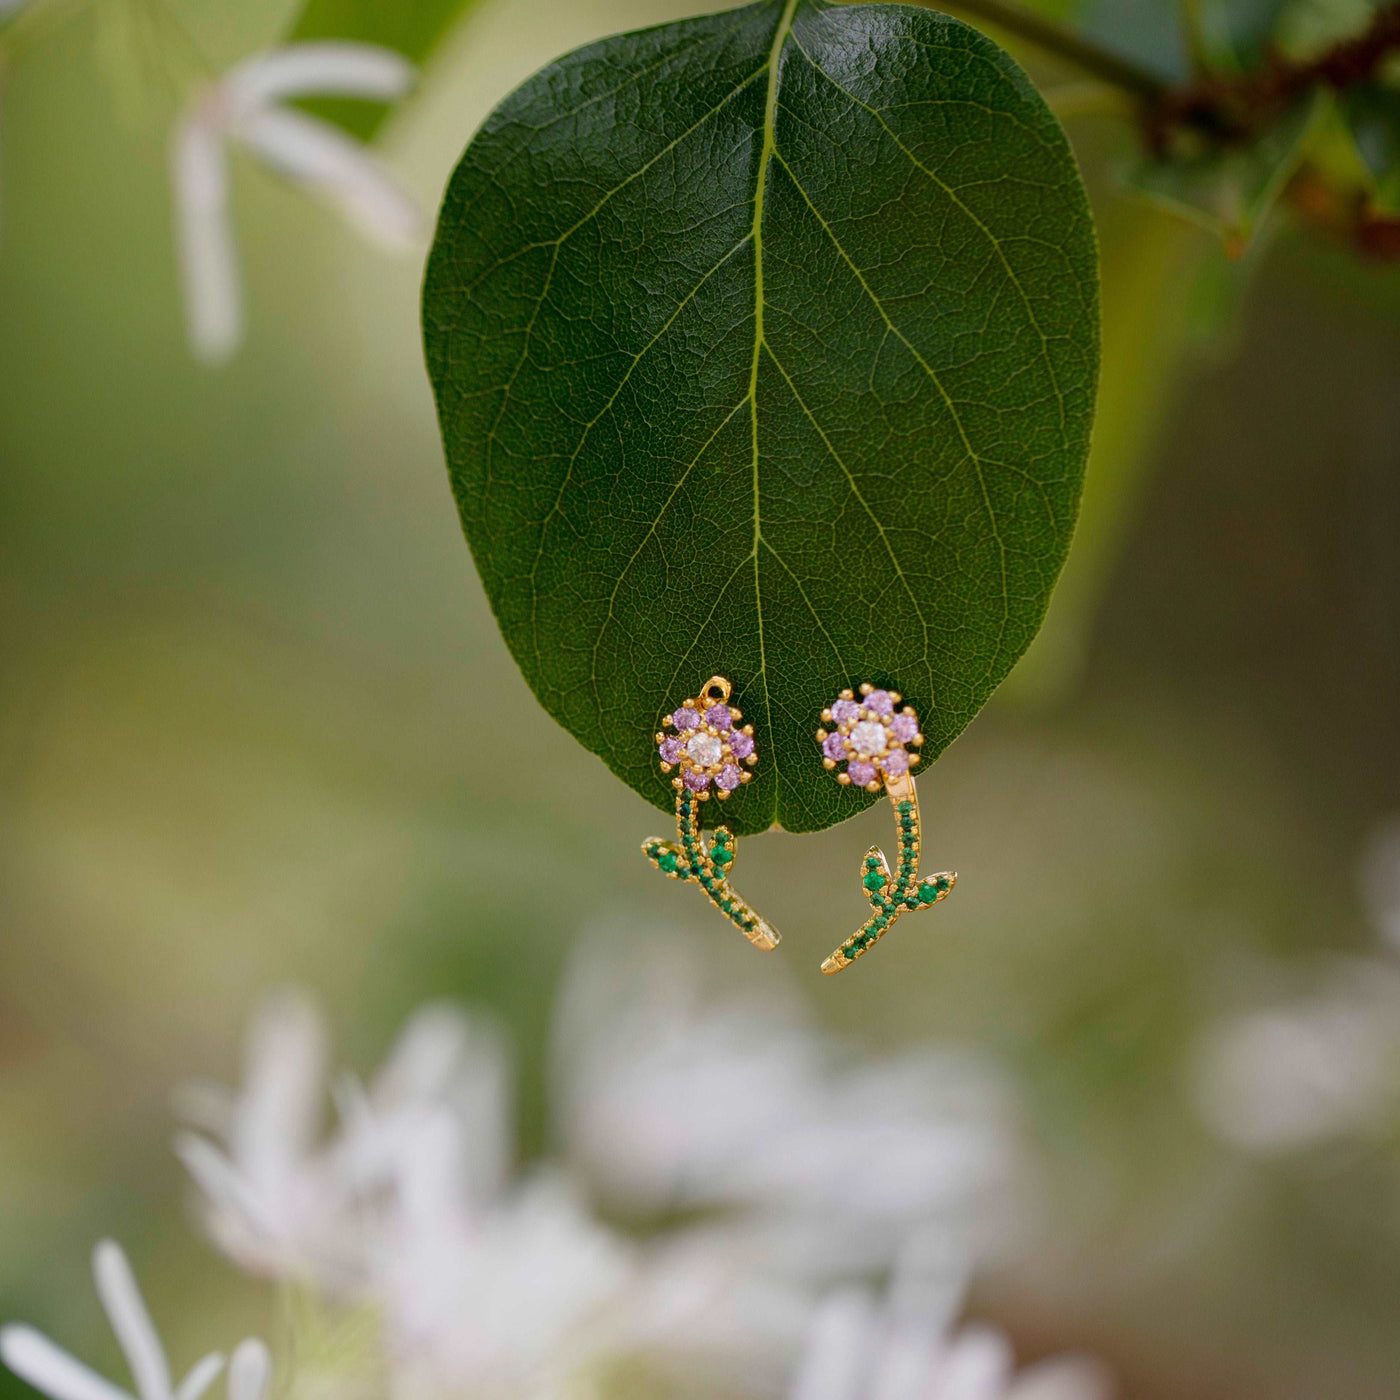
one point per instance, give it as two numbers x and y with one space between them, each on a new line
1234 109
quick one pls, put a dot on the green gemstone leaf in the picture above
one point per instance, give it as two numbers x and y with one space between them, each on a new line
765 345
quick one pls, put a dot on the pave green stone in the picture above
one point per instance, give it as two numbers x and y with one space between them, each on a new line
874 880
928 893
668 861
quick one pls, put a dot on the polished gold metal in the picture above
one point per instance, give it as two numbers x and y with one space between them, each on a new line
870 738
706 748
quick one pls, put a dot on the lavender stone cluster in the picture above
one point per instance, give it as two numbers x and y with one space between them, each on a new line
708 746
869 737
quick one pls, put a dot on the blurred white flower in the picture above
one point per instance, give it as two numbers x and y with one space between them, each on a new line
273 1199
484 1286
47 1367
284 1199
1285 1078
672 1104
905 1347
781 1163
242 109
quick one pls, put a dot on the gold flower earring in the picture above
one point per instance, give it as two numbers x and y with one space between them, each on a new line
872 738
715 756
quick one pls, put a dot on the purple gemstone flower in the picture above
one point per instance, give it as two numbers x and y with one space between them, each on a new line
869 734
710 751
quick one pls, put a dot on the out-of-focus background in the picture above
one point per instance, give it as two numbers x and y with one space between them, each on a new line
249 689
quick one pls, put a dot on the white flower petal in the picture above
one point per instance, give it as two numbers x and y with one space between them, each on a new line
126 1310
839 1349
426 1058
1063 1378
443 1062
429 1172
249 1371
929 1282
331 67
317 155
204 240
905 1360
47 1367
278 1116
200 1377
217 1177
977 1366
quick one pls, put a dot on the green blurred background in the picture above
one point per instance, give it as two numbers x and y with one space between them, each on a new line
244 658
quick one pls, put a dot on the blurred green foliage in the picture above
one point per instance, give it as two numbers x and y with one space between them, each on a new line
246 667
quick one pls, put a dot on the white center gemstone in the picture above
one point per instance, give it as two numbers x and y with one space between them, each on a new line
704 749
868 737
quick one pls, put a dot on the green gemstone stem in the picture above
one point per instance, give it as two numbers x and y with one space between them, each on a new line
892 893
691 859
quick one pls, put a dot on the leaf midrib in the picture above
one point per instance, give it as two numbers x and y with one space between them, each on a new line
765 157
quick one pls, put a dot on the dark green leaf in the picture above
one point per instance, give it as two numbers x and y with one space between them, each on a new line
765 344
412 27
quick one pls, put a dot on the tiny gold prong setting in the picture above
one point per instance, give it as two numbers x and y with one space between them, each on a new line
871 733
715 755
